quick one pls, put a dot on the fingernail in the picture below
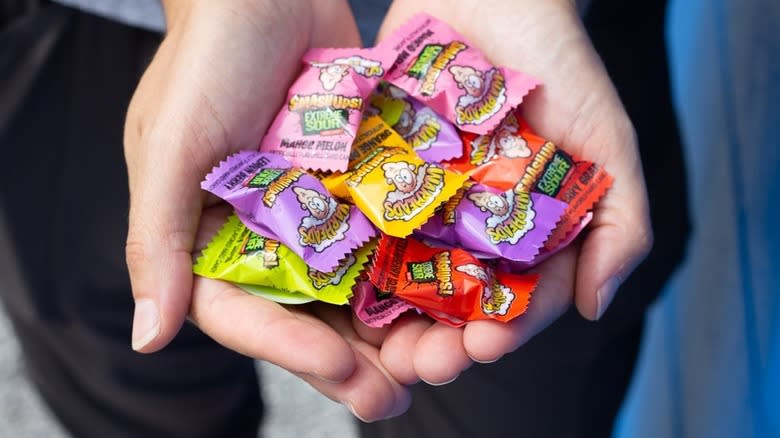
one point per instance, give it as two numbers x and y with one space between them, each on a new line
486 361
352 409
440 383
146 323
605 294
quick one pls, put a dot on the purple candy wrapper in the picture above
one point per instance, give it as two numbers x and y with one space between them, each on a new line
544 254
432 136
284 203
375 309
513 225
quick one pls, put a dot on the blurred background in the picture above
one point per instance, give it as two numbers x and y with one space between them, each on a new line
710 361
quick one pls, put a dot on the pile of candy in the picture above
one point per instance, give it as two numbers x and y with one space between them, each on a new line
401 177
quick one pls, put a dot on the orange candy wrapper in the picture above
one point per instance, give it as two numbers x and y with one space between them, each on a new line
450 285
513 153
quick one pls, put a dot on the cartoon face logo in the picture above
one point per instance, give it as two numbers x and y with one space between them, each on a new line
326 222
469 79
414 188
485 94
475 271
511 214
510 145
332 74
401 175
313 201
486 201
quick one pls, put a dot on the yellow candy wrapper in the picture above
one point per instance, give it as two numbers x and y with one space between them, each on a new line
335 183
391 184
238 255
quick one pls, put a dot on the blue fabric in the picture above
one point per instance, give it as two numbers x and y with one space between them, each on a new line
710 366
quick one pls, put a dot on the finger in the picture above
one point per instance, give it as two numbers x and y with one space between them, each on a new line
610 252
439 356
373 335
212 220
397 352
265 330
164 214
370 392
334 15
487 341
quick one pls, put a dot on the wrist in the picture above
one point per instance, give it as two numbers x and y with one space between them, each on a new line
178 12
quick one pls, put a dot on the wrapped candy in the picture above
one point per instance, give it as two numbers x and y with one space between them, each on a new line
374 308
390 184
492 224
439 68
238 255
285 203
514 155
431 136
317 125
450 285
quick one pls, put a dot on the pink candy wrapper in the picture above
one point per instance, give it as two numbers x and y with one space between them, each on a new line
437 66
284 203
374 308
492 224
316 127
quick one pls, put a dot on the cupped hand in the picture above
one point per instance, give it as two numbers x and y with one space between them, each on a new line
576 108
214 86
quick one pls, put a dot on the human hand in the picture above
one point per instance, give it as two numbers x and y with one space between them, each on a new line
577 108
213 88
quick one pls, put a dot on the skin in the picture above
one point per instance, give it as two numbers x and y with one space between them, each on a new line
214 87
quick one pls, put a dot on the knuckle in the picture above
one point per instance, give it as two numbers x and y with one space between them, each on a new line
645 242
135 255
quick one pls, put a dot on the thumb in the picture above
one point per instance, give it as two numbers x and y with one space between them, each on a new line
165 208
619 240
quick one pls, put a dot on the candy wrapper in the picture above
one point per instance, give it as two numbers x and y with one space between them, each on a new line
316 127
450 285
277 295
437 66
238 255
287 204
390 184
513 155
431 136
492 224
374 308
544 254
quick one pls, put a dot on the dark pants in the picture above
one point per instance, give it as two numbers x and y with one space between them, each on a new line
65 81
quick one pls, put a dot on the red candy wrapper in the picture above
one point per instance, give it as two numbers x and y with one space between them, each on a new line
437 66
514 155
318 123
450 285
